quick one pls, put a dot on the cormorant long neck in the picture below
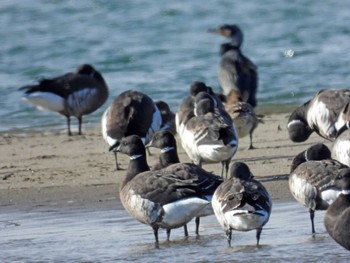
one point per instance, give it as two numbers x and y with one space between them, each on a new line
227 47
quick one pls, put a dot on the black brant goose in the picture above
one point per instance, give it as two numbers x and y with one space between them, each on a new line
337 217
167 198
236 71
166 142
243 116
319 115
168 117
73 94
241 203
314 183
131 112
206 130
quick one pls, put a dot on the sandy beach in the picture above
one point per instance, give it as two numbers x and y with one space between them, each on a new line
40 168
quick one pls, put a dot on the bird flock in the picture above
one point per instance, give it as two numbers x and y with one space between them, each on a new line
169 194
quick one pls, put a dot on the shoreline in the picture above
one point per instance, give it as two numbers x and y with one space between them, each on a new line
43 168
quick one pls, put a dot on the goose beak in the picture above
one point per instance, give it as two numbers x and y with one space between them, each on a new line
115 147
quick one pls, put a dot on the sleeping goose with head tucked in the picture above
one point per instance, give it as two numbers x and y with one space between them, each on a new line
314 180
242 203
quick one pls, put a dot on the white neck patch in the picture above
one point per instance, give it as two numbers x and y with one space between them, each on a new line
134 157
305 156
345 192
167 149
294 122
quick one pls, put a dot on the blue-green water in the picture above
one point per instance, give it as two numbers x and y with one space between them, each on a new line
160 47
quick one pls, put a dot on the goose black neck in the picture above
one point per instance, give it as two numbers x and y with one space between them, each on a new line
136 165
169 157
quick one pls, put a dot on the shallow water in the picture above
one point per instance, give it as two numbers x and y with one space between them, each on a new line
108 234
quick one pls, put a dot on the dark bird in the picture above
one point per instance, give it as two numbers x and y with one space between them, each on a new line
166 142
243 116
313 183
236 71
206 130
168 117
337 217
319 114
73 94
316 152
241 203
167 198
131 112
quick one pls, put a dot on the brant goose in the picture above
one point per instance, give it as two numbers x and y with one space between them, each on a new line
186 108
316 152
314 183
241 203
319 114
337 217
167 198
132 112
168 117
73 94
206 130
243 116
236 71
166 142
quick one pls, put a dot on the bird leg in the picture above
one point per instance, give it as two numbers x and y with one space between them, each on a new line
80 120
258 233
116 161
68 125
185 231
229 236
312 216
197 225
251 141
168 234
155 231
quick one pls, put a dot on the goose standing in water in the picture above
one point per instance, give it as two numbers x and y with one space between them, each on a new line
313 183
166 142
131 112
241 203
236 71
319 115
73 94
337 217
167 198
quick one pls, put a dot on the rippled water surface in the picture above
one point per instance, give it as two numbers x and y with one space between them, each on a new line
160 47
109 235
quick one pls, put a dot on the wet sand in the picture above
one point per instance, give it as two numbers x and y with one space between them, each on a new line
50 167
